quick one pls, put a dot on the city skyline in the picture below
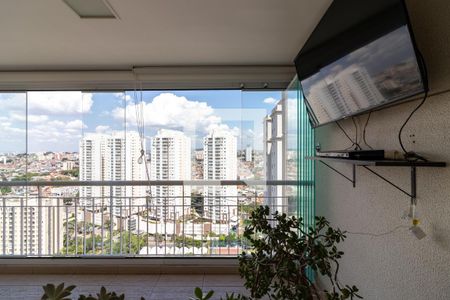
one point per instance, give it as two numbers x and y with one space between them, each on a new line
57 120
51 164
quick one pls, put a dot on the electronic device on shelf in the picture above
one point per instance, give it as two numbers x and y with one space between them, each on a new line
353 154
361 57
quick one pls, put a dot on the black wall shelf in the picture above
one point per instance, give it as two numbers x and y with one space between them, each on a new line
366 164
382 163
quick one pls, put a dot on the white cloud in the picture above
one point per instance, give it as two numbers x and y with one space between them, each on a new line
219 128
123 96
61 135
50 122
14 136
270 100
13 97
56 125
75 124
14 116
59 103
101 128
168 110
13 102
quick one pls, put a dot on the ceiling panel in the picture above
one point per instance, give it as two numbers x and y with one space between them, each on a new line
48 35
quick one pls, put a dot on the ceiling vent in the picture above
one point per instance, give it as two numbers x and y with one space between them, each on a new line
92 9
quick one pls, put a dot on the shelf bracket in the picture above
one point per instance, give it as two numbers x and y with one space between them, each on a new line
413 165
412 195
352 180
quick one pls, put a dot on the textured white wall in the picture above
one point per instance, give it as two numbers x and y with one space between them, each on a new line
396 265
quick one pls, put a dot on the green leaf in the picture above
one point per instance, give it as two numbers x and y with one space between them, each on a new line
198 292
59 289
209 295
56 293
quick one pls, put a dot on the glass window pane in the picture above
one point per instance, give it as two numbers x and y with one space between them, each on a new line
54 127
150 135
292 144
257 108
13 164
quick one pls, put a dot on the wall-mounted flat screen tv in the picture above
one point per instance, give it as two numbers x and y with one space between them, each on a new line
361 57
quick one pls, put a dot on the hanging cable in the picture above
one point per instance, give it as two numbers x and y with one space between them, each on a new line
348 136
139 108
364 131
356 134
378 234
410 155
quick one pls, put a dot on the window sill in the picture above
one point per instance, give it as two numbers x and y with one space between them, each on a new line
119 265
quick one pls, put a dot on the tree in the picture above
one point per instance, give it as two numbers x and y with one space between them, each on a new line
4 190
74 172
137 242
187 242
197 203
25 177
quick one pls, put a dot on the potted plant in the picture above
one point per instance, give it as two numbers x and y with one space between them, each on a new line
286 257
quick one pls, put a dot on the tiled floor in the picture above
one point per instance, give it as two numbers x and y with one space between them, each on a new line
173 287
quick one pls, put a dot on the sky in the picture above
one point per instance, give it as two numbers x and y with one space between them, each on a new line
58 120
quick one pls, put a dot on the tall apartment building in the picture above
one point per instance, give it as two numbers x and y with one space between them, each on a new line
248 154
170 160
91 160
275 156
112 157
220 163
30 227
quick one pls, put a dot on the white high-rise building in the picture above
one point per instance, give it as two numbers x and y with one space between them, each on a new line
91 160
170 160
32 228
275 157
112 157
248 154
220 163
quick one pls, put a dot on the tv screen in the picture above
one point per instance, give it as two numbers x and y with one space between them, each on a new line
377 67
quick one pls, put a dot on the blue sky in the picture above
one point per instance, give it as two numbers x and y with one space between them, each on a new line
57 120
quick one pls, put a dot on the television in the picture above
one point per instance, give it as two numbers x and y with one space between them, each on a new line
360 57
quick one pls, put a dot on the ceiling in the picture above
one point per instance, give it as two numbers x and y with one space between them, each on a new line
48 35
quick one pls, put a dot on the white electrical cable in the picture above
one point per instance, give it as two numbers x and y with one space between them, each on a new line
378 234
140 124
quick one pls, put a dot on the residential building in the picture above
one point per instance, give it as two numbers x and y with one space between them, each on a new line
170 160
275 156
31 226
68 165
248 154
220 163
92 154
113 157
